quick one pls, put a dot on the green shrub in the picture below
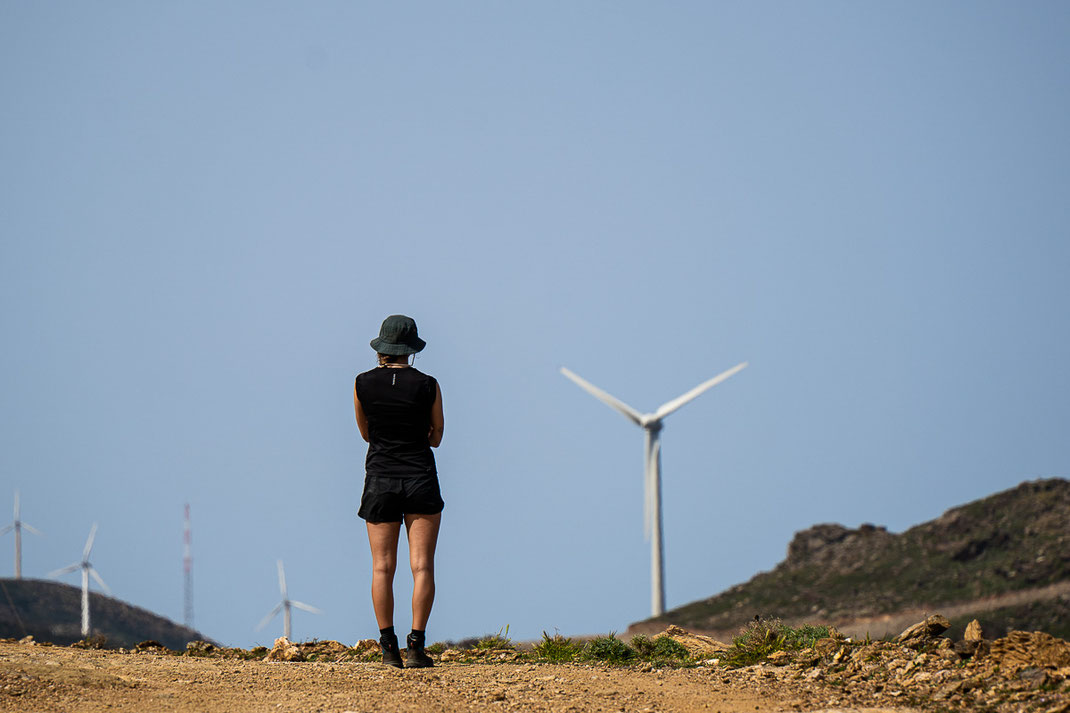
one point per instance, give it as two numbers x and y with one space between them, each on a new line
609 649
436 648
669 649
662 649
762 637
644 647
500 640
556 648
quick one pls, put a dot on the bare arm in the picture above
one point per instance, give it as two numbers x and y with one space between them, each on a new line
438 424
362 418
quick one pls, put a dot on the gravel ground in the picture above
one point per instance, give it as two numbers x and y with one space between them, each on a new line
60 680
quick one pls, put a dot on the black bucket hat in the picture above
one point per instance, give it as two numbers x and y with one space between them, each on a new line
398 337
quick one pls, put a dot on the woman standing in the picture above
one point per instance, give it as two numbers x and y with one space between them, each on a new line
399 414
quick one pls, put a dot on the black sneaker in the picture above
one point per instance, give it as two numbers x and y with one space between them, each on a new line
415 656
391 652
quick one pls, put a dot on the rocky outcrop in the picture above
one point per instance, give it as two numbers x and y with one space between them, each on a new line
831 545
1021 671
286 650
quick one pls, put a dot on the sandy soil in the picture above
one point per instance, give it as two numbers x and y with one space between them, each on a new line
57 679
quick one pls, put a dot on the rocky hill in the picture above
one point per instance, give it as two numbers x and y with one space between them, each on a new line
1004 559
52 612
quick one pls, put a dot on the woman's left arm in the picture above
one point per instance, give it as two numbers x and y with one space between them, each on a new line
438 424
362 418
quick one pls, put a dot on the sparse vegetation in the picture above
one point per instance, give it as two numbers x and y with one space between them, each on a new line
500 640
609 649
660 650
556 648
764 636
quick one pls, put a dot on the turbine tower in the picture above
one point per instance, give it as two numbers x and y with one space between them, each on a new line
87 569
285 605
187 570
651 424
17 526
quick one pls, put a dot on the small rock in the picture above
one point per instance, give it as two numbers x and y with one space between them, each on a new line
825 647
967 647
1036 677
28 640
945 691
284 650
779 658
974 631
451 655
924 631
151 645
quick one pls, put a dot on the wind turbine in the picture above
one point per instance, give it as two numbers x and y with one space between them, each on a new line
285 605
17 526
651 424
87 569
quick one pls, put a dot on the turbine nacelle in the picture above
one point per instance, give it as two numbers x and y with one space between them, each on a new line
650 421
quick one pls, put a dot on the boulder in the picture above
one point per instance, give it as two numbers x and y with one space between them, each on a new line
1021 650
697 645
970 648
284 650
924 631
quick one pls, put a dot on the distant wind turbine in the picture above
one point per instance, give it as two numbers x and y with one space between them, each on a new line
285 605
651 423
17 526
87 569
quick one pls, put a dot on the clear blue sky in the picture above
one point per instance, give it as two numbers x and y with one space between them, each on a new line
206 210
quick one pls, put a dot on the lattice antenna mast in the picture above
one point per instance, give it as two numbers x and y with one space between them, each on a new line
187 568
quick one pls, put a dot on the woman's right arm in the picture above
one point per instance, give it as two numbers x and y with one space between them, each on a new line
362 418
438 424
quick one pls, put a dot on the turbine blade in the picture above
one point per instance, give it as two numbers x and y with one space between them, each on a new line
676 403
100 581
306 607
66 570
608 400
282 579
31 528
7 529
89 542
269 617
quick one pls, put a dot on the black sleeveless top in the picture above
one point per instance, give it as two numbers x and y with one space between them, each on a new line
398 404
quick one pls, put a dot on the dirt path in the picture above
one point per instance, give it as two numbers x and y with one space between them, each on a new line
56 679
892 624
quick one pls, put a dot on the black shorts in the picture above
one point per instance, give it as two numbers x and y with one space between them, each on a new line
390 499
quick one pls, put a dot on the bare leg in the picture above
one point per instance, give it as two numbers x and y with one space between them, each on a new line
383 538
423 536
